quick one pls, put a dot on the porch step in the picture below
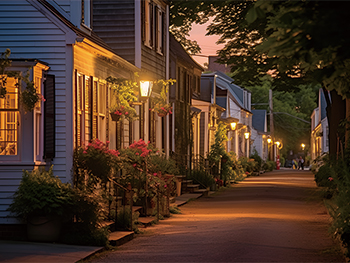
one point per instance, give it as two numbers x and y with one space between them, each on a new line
119 238
184 182
146 221
180 177
204 192
192 187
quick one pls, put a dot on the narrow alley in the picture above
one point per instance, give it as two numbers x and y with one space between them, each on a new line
275 217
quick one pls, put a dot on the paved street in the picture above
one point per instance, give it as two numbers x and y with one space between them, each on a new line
275 217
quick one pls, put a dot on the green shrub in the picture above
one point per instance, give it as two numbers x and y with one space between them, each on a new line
78 233
269 166
257 159
174 210
123 221
341 210
323 175
41 193
202 177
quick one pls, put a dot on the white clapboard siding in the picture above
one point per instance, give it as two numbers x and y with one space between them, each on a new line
29 34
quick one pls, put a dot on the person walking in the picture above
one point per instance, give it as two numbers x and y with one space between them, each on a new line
299 163
302 163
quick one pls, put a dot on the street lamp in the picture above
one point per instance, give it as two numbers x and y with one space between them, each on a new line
303 146
269 140
233 125
145 89
246 135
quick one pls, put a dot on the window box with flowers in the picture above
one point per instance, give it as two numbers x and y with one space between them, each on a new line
123 93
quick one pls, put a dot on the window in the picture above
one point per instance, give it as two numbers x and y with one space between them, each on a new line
38 127
153 25
9 119
102 118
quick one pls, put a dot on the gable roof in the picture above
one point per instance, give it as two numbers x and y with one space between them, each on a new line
177 49
93 37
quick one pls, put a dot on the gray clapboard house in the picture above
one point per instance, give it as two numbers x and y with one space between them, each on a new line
69 64
138 32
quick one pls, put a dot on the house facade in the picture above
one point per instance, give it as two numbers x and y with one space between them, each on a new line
68 64
138 32
235 103
319 128
184 122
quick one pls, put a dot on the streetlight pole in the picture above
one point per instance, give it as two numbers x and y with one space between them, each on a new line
272 130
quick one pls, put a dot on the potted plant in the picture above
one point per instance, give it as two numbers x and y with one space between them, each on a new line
42 200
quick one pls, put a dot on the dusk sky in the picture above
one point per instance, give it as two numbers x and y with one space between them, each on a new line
207 43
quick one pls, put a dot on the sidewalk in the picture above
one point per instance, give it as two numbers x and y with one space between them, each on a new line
19 251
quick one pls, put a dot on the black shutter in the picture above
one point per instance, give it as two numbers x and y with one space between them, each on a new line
49 117
143 22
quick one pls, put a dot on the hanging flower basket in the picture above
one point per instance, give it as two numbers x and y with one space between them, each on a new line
115 117
161 114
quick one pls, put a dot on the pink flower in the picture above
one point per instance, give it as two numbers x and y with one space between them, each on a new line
330 179
126 113
134 165
170 112
155 174
84 151
107 142
165 186
137 153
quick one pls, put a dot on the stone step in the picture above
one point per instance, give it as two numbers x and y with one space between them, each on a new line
204 192
146 221
184 182
192 187
119 238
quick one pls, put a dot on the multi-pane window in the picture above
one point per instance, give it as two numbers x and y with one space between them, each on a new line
153 25
9 119
91 110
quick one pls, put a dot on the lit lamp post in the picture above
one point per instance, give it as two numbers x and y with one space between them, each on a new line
145 89
269 141
145 93
233 125
302 146
246 135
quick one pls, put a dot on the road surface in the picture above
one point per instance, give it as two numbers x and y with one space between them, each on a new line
275 217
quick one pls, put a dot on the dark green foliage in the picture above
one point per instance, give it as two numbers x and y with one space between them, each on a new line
160 163
41 193
174 210
202 177
123 221
324 176
340 210
80 234
257 159
269 166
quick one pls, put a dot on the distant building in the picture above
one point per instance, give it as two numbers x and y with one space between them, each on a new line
319 128
259 133
214 66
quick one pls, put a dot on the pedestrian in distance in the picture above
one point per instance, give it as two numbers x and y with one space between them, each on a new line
302 163
299 163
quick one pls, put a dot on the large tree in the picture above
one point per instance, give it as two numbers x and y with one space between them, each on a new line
311 38
295 41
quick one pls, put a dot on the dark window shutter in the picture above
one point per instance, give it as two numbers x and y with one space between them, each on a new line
163 32
94 111
49 117
156 22
201 134
151 22
143 22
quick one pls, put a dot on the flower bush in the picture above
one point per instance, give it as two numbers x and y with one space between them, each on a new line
97 160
